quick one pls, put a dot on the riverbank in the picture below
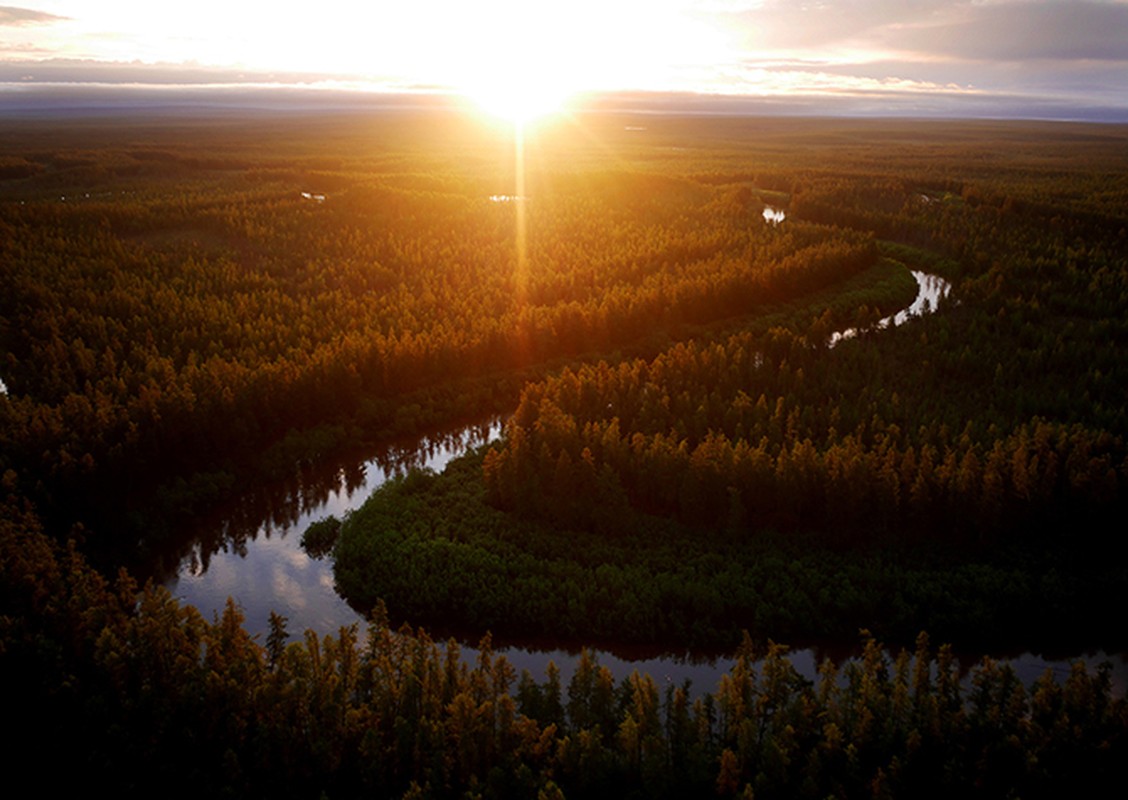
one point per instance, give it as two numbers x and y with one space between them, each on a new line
248 547
438 555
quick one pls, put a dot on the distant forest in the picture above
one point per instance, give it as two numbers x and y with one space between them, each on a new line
189 306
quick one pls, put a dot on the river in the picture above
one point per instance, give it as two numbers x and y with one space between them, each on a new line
931 289
250 550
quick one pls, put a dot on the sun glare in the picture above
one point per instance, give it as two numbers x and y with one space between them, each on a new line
518 103
518 96
519 70
523 59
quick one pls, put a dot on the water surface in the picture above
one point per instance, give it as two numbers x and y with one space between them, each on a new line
931 289
774 215
251 551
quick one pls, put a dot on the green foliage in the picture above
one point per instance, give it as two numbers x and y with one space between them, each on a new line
174 310
180 306
130 688
437 553
320 537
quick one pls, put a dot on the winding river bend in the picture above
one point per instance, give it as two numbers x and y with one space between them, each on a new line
250 550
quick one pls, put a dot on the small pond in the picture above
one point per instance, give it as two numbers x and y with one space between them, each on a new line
774 215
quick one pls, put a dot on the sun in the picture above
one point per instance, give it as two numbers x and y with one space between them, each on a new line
523 59
521 63
518 98
518 86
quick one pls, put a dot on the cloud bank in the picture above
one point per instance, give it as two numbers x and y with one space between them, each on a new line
1061 58
12 16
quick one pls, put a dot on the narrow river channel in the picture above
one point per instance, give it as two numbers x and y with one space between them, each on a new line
250 550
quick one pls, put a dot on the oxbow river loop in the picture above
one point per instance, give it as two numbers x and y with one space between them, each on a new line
250 550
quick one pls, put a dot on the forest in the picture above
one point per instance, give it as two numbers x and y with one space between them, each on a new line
694 456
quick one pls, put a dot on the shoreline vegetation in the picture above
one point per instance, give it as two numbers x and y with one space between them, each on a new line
131 687
188 306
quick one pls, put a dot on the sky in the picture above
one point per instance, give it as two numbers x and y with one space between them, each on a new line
999 58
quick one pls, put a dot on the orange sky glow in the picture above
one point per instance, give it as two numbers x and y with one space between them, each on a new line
523 57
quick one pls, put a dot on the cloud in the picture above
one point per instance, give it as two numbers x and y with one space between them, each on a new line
91 71
1029 54
986 30
11 16
1021 31
784 25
